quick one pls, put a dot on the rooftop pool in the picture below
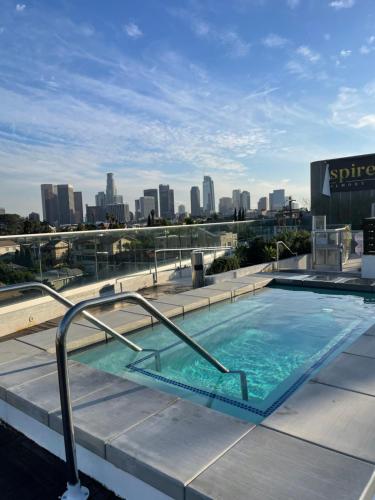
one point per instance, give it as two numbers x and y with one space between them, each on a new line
280 337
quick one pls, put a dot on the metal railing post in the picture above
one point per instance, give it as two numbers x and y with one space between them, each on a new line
63 372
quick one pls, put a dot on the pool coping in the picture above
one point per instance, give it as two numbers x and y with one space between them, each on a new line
162 476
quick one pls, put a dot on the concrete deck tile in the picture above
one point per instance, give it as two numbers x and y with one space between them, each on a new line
235 288
103 415
363 346
79 335
40 397
355 373
133 308
335 418
268 465
213 295
187 302
25 369
124 321
173 446
256 282
168 310
370 331
12 349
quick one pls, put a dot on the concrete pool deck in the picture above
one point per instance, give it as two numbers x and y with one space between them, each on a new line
319 444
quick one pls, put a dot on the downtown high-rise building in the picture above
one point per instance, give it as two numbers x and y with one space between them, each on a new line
154 194
236 199
111 190
263 204
245 200
65 200
226 206
195 201
147 204
208 195
166 197
100 199
277 199
49 203
78 207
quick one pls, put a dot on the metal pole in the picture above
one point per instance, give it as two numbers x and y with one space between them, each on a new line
96 262
180 264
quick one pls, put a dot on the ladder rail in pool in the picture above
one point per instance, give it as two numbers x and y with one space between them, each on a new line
68 303
74 484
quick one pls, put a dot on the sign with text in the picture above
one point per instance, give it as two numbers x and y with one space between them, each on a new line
352 174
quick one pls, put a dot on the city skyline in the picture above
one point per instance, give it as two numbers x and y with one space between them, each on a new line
247 92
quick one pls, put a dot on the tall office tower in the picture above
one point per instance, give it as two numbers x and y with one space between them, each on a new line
2 211
78 207
166 197
195 201
236 199
33 216
137 211
118 199
100 199
49 203
147 203
65 200
277 199
245 200
181 210
154 194
171 203
263 204
208 195
111 190
226 206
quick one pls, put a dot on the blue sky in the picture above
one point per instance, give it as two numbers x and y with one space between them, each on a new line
166 91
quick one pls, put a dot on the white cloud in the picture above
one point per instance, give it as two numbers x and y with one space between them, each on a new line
20 7
350 109
345 53
229 38
342 4
308 54
370 47
274 41
132 30
293 3
327 37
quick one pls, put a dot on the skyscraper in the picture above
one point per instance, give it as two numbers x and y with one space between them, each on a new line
78 207
208 195
195 201
226 206
100 199
166 197
245 200
111 191
277 199
65 199
154 194
236 199
49 203
263 204
147 203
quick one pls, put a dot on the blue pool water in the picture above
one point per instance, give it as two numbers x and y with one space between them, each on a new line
280 337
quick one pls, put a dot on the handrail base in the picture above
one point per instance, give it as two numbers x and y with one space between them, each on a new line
75 492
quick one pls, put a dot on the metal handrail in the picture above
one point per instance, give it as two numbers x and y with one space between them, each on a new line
278 251
63 374
158 250
68 303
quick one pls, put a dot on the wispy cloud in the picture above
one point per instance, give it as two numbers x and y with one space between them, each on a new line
345 53
369 46
133 30
292 4
20 7
229 38
274 41
350 109
342 4
308 54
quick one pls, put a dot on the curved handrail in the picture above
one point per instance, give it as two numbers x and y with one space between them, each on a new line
63 374
278 251
67 303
